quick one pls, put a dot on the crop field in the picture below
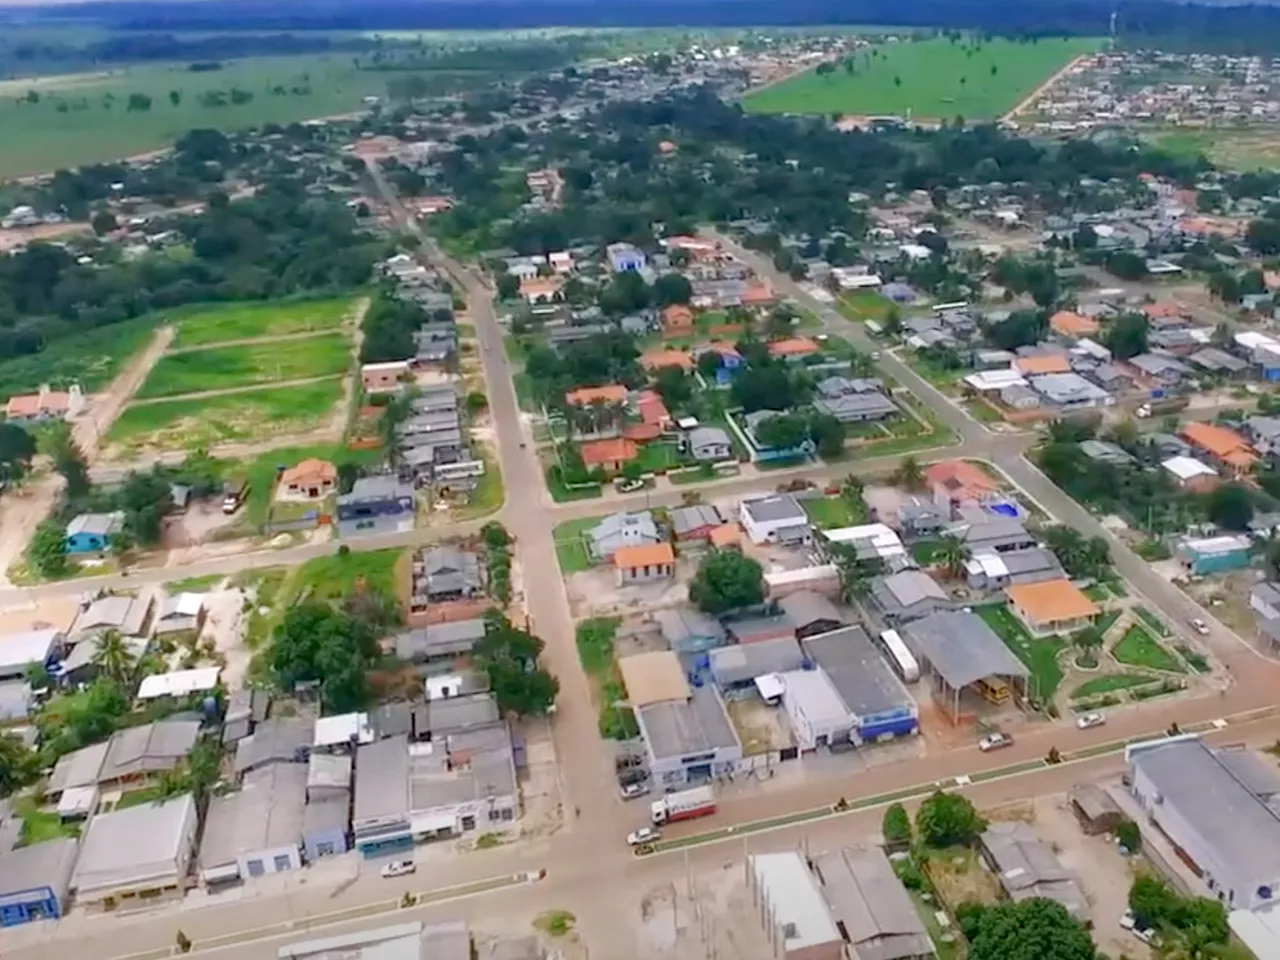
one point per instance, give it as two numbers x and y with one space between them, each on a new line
86 118
925 79
242 321
91 359
255 415
1242 149
249 364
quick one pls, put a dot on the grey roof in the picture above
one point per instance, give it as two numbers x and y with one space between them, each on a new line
96 524
450 570
1104 451
15 699
404 941
1067 388
439 639
285 739
844 386
153 748
266 812
1031 566
1157 364
903 593
382 779
80 768
1266 593
1027 867
993 530
327 772
489 770
134 845
701 438
48 864
858 406
684 623
623 530
329 811
776 508
454 714
376 488
1111 373
961 648
1211 358
677 728
1218 799
867 899
742 663
19 650
123 613
857 670
805 608
685 519
1264 428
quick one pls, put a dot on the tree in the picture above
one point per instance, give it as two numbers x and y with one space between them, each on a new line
948 820
509 656
896 826
175 97
138 103
315 642
672 288
104 222
47 551
17 450
1129 836
1036 929
18 765
1088 641
1127 265
828 433
1230 507
1264 236
69 460
1127 336
112 656
477 402
909 474
674 386
786 431
726 580
951 554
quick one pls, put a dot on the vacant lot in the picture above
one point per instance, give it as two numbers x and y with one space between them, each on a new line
571 544
219 368
336 576
241 321
1244 149
937 79
90 359
254 415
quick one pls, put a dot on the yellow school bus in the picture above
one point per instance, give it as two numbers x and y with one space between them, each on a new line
993 689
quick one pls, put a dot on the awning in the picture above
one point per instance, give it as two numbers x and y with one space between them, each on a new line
223 873
433 823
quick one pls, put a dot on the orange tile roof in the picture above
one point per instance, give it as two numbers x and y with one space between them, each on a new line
792 347
960 478
27 405
725 535
600 453
757 292
533 286
309 471
1052 601
1155 311
651 408
657 359
1219 441
1071 324
613 393
644 555
642 432
677 315
1055 363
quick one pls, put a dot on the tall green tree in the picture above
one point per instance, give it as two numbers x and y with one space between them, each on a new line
726 580
1035 929
948 820
69 460
112 656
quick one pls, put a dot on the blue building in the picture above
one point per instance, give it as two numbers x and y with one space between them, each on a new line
877 699
326 820
376 505
35 881
92 532
624 258
1209 555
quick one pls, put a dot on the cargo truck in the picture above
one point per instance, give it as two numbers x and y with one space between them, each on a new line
685 805
1161 406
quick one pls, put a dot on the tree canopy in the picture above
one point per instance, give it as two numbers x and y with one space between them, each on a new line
509 656
948 820
1035 929
316 642
726 580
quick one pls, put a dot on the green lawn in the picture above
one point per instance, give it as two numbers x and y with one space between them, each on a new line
1139 648
138 798
561 493
1110 683
658 456
831 513
39 826
571 548
90 359
1040 655
240 321
1098 593
335 576
194 584
488 495
254 415
219 368
1151 620
594 639
926 78
864 305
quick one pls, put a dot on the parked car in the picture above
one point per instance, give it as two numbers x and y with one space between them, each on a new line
629 486
398 868
1127 920
633 790
644 835
1201 627
1087 720
994 741
1146 934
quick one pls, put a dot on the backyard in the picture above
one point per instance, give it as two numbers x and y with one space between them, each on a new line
1038 654
936 78
242 321
832 513
220 368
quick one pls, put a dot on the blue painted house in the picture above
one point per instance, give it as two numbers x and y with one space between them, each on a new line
1204 556
92 532
376 505
623 258
730 361
35 881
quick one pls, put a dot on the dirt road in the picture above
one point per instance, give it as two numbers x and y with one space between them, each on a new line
1039 91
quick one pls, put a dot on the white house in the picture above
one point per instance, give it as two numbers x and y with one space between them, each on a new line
775 519
819 716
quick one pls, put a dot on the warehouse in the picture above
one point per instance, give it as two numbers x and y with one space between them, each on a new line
879 703
957 649
871 906
688 740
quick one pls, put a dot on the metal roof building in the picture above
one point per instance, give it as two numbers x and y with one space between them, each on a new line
795 914
141 851
908 595
958 648
1028 868
34 881
866 898
738 665
873 693
689 740
258 829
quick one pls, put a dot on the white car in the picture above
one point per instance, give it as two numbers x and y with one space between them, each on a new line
994 741
1127 920
644 835
632 791
398 868
1201 627
1146 935
1087 720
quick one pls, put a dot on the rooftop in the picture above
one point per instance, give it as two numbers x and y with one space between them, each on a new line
677 728
644 555
961 647
48 864
178 683
266 812
653 677
1050 601
858 671
1027 867
775 509
795 899
867 899
134 844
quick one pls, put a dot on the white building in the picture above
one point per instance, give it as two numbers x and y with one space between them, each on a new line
258 829
819 716
136 855
775 519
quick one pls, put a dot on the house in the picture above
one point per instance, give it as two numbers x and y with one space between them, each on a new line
275 740
180 613
1070 391
439 641
610 455
870 906
775 519
652 411
1104 451
995 571
793 348
92 532
1225 447
1112 377
1072 325
129 616
621 530
797 921
654 360
381 504
385 377
688 739
855 406
735 668
688 630
677 321
695 522
1202 556
921 519
644 564
446 573
586 396
1219 361
1028 868
907 595
19 651
728 361
307 480
131 756
1264 600
1162 368
996 534
540 289
1042 365
709 444
326 818
955 482
35 881
256 830
45 405
138 855
818 715
1217 807
178 683
1264 434
1190 474
1051 606
809 613
625 258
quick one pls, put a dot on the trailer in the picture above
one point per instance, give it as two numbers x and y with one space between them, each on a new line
684 805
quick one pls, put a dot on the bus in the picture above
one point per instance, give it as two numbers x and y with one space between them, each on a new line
954 305
899 657
993 689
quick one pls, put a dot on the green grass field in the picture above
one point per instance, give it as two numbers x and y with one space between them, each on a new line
250 364
255 415
1110 683
829 513
84 118
926 79
1139 648
240 321
571 546
333 577
1038 654
90 359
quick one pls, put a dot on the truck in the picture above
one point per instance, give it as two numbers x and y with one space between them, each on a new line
684 805
1162 405
233 494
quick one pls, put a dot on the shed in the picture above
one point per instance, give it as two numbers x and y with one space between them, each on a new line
1095 809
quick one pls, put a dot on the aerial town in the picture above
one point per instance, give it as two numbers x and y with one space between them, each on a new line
582 517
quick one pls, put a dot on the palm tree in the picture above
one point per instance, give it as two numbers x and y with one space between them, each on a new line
112 656
909 474
1088 641
950 554
172 783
